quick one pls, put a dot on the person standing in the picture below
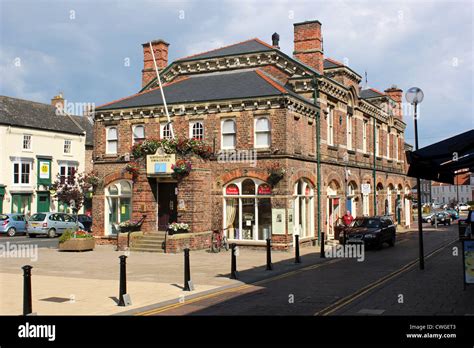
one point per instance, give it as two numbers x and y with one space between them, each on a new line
347 218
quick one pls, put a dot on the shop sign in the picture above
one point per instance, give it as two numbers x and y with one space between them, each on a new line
278 221
264 189
160 163
232 189
468 257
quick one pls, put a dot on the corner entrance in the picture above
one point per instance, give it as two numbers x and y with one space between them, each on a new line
167 204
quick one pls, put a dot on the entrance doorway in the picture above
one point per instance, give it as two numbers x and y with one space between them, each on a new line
43 202
167 205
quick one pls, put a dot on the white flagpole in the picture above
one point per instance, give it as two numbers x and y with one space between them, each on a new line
162 92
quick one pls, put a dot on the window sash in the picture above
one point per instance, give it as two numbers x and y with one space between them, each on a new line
197 130
21 173
364 137
138 133
26 142
349 132
67 146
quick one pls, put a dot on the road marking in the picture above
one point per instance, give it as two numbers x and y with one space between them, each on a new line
236 288
354 296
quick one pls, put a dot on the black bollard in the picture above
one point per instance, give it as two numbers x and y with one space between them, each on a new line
233 264
297 249
27 305
269 255
322 253
187 271
123 279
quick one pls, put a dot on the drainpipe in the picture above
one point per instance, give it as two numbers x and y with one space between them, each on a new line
374 170
318 153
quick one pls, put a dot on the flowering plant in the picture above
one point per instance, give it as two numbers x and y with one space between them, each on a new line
133 168
182 146
74 235
175 226
181 168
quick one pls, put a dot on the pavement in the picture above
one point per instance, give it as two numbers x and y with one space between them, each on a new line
67 283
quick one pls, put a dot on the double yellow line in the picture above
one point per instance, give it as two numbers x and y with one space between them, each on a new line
234 289
354 296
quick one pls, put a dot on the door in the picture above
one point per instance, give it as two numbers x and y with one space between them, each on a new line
1 203
21 203
167 205
124 209
43 202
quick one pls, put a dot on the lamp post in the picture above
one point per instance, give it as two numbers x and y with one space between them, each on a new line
415 96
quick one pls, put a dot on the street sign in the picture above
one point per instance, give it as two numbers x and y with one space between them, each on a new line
365 189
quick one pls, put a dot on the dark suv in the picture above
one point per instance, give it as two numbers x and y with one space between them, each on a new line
372 231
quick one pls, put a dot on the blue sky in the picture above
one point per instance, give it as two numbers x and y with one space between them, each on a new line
81 47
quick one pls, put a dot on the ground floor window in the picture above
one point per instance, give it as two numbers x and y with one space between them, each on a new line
21 203
247 210
118 203
304 208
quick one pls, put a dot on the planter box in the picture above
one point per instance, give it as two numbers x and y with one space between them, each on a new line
171 232
77 244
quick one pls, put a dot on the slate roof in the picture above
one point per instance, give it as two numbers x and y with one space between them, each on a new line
371 93
88 126
207 87
28 114
328 64
249 46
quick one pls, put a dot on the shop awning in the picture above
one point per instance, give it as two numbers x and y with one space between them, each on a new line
443 160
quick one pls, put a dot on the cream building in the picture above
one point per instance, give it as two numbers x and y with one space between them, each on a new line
37 145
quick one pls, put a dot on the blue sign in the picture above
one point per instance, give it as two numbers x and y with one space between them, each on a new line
160 167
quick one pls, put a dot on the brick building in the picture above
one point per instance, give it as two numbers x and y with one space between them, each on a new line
305 113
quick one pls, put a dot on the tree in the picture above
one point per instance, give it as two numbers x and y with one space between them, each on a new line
72 188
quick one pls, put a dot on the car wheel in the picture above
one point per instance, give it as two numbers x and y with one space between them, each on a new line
31 235
11 232
52 233
392 240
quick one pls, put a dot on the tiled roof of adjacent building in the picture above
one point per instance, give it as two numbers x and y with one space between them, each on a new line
331 63
249 46
371 93
87 124
28 114
207 87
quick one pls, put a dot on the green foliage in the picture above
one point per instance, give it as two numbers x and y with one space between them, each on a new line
69 234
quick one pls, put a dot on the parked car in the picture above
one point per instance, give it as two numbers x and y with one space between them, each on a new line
427 217
85 220
463 207
51 224
372 231
11 224
454 214
442 218
436 205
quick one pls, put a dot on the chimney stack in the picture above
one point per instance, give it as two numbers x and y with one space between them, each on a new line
58 101
308 44
160 49
276 40
397 95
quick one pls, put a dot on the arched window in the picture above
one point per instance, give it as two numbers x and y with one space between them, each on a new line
247 209
112 140
138 133
262 132
118 203
304 208
166 131
197 130
229 138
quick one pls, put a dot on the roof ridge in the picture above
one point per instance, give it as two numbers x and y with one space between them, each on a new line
219 48
267 78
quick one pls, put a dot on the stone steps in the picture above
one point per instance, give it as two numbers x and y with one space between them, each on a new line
150 242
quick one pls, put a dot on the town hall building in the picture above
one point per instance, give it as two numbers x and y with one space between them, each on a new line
294 142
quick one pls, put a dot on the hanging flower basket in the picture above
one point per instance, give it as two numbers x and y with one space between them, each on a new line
181 168
133 168
275 174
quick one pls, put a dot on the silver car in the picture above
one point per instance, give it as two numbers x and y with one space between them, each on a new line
51 224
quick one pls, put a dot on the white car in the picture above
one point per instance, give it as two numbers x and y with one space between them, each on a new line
463 207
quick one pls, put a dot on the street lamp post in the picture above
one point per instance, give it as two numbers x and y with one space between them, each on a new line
415 96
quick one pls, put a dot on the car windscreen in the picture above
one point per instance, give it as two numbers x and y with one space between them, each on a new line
369 223
3 217
37 217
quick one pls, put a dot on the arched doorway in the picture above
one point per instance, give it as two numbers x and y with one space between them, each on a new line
333 204
407 203
247 209
304 208
380 200
118 203
389 201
